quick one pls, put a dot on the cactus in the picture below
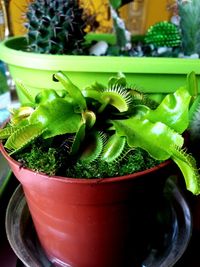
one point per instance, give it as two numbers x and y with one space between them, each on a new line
55 27
163 34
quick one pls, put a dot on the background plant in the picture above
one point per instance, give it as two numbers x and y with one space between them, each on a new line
56 27
3 83
190 25
180 38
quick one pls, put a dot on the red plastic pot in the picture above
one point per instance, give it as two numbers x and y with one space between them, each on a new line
92 222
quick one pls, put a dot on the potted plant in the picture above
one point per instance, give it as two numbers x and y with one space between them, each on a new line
36 68
64 146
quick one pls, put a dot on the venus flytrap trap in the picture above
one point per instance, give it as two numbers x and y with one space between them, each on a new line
194 128
102 123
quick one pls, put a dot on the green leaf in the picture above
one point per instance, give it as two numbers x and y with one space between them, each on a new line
187 165
58 117
173 110
24 90
80 135
120 99
46 96
10 128
95 86
6 132
23 136
20 115
93 147
115 3
113 148
72 89
117 81
89 118
155 138
91 92
192 84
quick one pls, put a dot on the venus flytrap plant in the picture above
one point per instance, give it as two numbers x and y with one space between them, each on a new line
105 124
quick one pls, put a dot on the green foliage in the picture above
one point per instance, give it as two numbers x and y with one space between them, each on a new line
55 27
3 83
190 25
98 126
115 3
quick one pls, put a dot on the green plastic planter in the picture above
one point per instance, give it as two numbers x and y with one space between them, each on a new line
151 75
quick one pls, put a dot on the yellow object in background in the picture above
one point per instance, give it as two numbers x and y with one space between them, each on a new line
141 14
138 15
100 9
156 10
2 27
17 8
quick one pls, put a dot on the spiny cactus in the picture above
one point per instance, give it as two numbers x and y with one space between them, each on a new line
163 34
55 27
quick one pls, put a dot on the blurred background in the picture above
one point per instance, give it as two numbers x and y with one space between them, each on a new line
138 14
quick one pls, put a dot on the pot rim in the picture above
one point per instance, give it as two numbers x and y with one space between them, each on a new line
84 180
88 63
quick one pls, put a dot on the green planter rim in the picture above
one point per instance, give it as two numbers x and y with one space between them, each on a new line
11 53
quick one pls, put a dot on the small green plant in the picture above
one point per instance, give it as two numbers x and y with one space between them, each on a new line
104 123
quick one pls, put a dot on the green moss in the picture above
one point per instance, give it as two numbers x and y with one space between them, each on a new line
136 160
53 159
40 159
